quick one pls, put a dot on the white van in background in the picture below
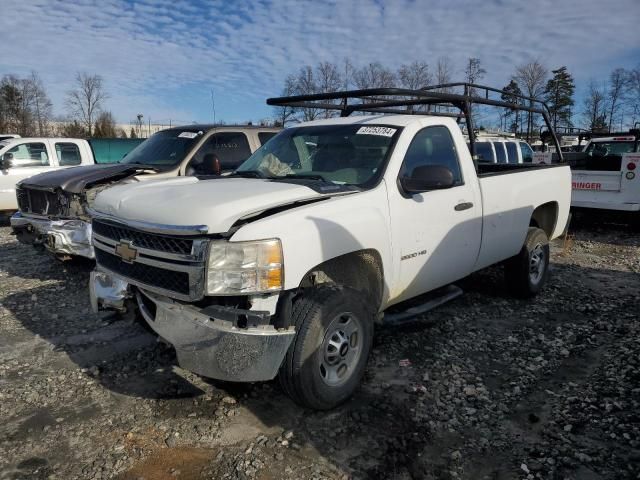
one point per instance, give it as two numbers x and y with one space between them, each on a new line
503 149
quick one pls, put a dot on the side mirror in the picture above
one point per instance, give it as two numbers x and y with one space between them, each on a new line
6 163
427 177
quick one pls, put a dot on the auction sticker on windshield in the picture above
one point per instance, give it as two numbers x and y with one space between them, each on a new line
381 131
188 135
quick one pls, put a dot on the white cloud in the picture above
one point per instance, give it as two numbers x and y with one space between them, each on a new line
162 57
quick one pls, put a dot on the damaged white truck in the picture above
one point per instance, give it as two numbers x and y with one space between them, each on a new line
283 267
53 205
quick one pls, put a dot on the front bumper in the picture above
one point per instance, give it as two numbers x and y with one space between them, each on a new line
216 342
64 237
107 292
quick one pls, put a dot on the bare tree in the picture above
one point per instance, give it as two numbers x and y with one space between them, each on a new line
444 71
618 81
347 74
473 72
41 104
443 74
328 79
531 78
595 107
86 101
374 75
633 93
415 75
286 114
306 85
25 107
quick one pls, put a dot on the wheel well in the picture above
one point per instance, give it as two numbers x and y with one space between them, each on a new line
361 270
545 217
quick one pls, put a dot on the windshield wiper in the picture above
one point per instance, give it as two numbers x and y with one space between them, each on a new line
248 173
308 176
145 165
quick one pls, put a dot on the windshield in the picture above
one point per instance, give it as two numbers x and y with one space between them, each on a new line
166 148
341 154
602 149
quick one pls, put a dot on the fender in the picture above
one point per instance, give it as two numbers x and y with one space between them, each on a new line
317 232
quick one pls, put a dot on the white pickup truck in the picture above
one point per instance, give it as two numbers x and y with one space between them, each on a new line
21 158
606 175
283 267
53 205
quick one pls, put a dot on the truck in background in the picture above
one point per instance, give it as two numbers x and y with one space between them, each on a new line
8 136
21 158
606 174
53 206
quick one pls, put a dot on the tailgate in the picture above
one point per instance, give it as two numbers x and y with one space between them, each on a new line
594 180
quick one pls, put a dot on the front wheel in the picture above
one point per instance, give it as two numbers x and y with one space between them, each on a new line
526 273
327 359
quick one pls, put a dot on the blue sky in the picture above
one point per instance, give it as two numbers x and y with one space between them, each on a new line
162 57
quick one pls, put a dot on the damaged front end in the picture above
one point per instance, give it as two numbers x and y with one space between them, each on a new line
215 341
61 237
56 220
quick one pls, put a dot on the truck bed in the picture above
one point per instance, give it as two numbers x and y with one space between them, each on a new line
508 203
490 169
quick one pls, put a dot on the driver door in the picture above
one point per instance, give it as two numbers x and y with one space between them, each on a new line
436 234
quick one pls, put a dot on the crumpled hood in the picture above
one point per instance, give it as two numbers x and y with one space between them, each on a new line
75 179
187 201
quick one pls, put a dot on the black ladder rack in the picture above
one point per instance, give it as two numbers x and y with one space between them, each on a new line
386 101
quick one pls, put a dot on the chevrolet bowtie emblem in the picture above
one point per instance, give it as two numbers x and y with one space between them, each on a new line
126 251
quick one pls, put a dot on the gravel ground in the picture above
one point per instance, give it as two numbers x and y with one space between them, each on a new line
485 387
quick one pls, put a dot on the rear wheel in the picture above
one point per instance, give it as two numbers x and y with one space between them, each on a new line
327 359
526 273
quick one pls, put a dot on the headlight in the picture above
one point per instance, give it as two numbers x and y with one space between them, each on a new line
244 267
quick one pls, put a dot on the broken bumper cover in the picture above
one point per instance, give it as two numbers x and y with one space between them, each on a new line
209 341
107 292
65 237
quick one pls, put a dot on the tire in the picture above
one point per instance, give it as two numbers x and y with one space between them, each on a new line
527 272
328 356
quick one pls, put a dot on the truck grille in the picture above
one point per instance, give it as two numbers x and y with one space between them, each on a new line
145 274
151 241
39 202
166 264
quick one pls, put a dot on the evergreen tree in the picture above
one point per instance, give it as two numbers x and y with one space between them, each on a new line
559 96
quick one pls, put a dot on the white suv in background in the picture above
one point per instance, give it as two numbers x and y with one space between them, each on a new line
503 150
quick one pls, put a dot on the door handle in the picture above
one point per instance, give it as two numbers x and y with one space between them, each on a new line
463 206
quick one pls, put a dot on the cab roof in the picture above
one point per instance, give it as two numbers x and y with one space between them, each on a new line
390 120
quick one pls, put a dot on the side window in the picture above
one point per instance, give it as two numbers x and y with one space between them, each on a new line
527 153
264 137
485 152
231 148
68 154
29 155
432 146
501 154
512 152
